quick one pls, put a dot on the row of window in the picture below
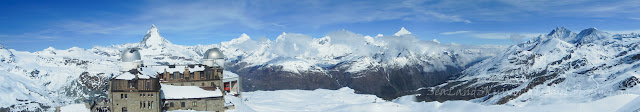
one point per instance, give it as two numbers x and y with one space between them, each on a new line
146 104
146 95
134 84
193 84
183 104
141 95
178 75
123 96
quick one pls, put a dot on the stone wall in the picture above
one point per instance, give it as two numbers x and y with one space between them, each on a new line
203 104
135 101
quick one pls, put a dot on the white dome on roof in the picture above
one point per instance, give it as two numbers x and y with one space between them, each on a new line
131 59
130 55
213 53
213 58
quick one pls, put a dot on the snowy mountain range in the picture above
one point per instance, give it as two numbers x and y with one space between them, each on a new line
43 79
561 67
592 62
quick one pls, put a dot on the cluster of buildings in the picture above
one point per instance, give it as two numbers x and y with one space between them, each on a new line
141 88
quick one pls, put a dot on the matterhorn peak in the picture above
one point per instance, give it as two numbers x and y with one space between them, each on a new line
153 38
402 31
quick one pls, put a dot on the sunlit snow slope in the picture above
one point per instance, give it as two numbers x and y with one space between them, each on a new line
42 80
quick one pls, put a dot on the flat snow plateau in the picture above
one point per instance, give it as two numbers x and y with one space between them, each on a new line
345 100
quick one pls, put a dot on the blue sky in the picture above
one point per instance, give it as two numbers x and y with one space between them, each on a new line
36 25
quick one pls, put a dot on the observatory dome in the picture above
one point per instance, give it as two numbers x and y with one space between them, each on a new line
213 54
130 55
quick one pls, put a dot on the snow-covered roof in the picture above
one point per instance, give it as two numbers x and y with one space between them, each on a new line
179 68
228 76
143 73
187 92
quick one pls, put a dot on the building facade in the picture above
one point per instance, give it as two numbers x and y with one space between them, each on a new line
140 88
137 94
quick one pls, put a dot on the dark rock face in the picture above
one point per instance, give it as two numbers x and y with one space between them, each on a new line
387 83
88 87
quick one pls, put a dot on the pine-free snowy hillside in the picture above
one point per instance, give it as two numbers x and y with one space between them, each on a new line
561 67
39 81
388 66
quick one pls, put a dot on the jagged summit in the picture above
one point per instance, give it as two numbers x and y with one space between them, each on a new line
281 36
585 36
242 38
560 32
402 31
588 31
153 38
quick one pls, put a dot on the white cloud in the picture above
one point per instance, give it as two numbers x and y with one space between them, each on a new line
454 32
517 38
623 31
635 18
503 35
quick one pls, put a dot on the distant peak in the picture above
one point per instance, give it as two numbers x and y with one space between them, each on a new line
588 31
402 31
560 32
592 29
243 37
560 29
153 38
281 36
591 35
50 48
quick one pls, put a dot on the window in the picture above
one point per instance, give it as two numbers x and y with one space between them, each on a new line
132 83
206 74
195 104
203 84
182 104
121 96
124 109
172 75
125 95
147 85
149 104
141 104
171 104
181 76
193 75
144 104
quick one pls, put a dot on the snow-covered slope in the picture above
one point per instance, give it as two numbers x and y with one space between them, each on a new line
44 79
345 100
343 58
561 67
